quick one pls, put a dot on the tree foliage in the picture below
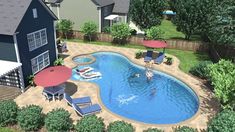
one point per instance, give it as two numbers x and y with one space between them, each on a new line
222 76
222 122
89 29
120 32
154 33
187 16
147 13
65 26
222 29
201 69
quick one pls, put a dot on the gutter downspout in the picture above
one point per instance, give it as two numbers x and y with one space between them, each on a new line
18 60
99 10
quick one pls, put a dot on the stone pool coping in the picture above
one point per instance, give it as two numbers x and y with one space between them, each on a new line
131 120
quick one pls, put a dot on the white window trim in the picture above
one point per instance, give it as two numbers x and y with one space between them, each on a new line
33 33
44 66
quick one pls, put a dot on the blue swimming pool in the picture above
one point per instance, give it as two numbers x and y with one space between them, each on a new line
82 59
163 100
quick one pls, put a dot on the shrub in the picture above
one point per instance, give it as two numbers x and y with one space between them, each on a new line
107 29
154 33
59 62
222 76
89 29
8 112
90 124
222 122
133 32
58 120
169 60
201 69
185 129
138 54
120 32
153 130
30 118
120 126
30 79
65 26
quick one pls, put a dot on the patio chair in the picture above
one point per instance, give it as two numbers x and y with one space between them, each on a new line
92 109
148 56
78 101
47 96
159 58
60 94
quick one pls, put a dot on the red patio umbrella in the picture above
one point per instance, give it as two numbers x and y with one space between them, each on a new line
155 44
53 76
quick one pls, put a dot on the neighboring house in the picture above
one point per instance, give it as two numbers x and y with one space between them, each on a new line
27 40
103 12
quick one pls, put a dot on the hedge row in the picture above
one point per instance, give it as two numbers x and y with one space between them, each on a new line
31 118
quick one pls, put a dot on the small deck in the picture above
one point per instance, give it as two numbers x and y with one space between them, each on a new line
7 92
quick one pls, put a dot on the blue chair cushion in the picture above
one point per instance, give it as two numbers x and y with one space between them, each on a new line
91 109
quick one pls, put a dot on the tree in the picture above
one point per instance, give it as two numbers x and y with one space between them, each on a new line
222 29
187 16
154 33
222 122
65 26
89 29
222 78
147 13
120 32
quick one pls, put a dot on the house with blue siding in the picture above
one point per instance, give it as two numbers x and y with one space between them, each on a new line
27 37
103 12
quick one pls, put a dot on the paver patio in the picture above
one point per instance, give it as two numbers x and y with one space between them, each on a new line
208 105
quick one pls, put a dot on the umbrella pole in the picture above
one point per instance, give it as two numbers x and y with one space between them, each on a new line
164 50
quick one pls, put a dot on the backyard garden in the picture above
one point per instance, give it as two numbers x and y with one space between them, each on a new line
209 22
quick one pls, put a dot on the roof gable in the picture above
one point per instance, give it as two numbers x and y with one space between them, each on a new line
102 3
121 6
12 12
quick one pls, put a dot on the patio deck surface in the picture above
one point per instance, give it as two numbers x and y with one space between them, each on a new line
208 105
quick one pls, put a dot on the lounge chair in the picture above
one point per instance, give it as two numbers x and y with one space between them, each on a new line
78 101
148 56
92 109
159 58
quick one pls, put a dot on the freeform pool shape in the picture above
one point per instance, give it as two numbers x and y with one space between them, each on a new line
83 59
163 100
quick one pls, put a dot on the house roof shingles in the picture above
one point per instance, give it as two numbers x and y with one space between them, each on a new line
121 6
11 13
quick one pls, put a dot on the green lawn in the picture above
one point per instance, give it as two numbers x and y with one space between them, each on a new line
170 32
187 58
5 129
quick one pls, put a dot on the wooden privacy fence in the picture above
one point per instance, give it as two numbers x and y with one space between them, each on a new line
135 40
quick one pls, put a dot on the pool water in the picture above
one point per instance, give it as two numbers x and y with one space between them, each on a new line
163 100
82 59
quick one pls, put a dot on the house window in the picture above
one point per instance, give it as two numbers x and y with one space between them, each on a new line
35 14
37 39
39 62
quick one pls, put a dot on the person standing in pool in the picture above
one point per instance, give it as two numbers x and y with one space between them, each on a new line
153 92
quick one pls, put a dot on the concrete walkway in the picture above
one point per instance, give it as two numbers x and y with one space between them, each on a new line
208 105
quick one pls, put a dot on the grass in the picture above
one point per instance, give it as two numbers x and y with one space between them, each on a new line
188 59
5 129
170 32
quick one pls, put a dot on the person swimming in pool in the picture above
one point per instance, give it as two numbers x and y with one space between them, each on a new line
153 92
149 75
